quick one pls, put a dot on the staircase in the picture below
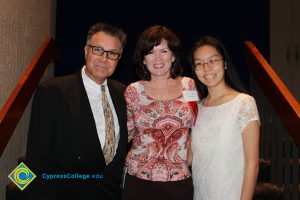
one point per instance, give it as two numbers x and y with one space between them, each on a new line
279 174
264 189
280 130
14 108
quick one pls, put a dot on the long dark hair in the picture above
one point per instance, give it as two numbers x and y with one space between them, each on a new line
150 38
230 75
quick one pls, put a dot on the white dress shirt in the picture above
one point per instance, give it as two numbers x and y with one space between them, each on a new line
93 91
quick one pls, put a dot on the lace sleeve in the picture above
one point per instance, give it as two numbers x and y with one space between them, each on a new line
247 112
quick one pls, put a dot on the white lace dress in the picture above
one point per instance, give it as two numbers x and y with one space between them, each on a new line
218 159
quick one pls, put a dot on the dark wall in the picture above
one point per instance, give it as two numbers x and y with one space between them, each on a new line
232 21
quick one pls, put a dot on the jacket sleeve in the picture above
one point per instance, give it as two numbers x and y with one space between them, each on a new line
40 138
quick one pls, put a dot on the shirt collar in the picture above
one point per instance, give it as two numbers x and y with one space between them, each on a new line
91 85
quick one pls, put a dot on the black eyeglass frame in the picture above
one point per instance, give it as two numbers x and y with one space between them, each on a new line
108 53
210 63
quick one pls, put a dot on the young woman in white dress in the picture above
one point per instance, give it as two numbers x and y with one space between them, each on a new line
225 138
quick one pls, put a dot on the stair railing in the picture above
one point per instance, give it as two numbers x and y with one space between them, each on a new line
280 123
16 103
279 96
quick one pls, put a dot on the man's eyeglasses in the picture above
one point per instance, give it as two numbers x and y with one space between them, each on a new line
99 51
211 63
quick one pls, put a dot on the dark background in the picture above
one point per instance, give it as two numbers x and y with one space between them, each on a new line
232 21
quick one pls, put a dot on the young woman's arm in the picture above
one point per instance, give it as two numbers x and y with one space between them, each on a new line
251 152
189 152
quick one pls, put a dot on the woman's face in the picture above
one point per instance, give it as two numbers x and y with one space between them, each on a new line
159 60
209 66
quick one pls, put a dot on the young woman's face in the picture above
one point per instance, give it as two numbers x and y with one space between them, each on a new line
159 60
209 66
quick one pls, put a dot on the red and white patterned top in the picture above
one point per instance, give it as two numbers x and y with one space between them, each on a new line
160 133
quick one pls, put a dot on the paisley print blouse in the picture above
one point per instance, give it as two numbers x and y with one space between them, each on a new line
160 132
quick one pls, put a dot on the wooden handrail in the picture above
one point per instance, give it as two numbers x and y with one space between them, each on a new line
279 96
16 103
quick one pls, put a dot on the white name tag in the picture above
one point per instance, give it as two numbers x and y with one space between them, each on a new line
190 95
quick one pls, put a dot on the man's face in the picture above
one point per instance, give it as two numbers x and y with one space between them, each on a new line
99 67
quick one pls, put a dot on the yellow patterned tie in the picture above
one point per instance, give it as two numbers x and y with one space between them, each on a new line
109 145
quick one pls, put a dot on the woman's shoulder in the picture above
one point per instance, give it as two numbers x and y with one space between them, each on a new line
243 97
135 89
245 101
133 85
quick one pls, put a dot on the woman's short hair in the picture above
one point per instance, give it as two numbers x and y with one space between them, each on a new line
150 38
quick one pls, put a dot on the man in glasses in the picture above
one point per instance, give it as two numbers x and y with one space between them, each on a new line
78 134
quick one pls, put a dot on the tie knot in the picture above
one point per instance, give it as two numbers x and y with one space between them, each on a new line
102 88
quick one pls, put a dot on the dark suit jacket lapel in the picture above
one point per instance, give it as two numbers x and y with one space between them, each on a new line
82 117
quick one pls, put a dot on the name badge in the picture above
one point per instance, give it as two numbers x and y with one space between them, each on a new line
190 95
